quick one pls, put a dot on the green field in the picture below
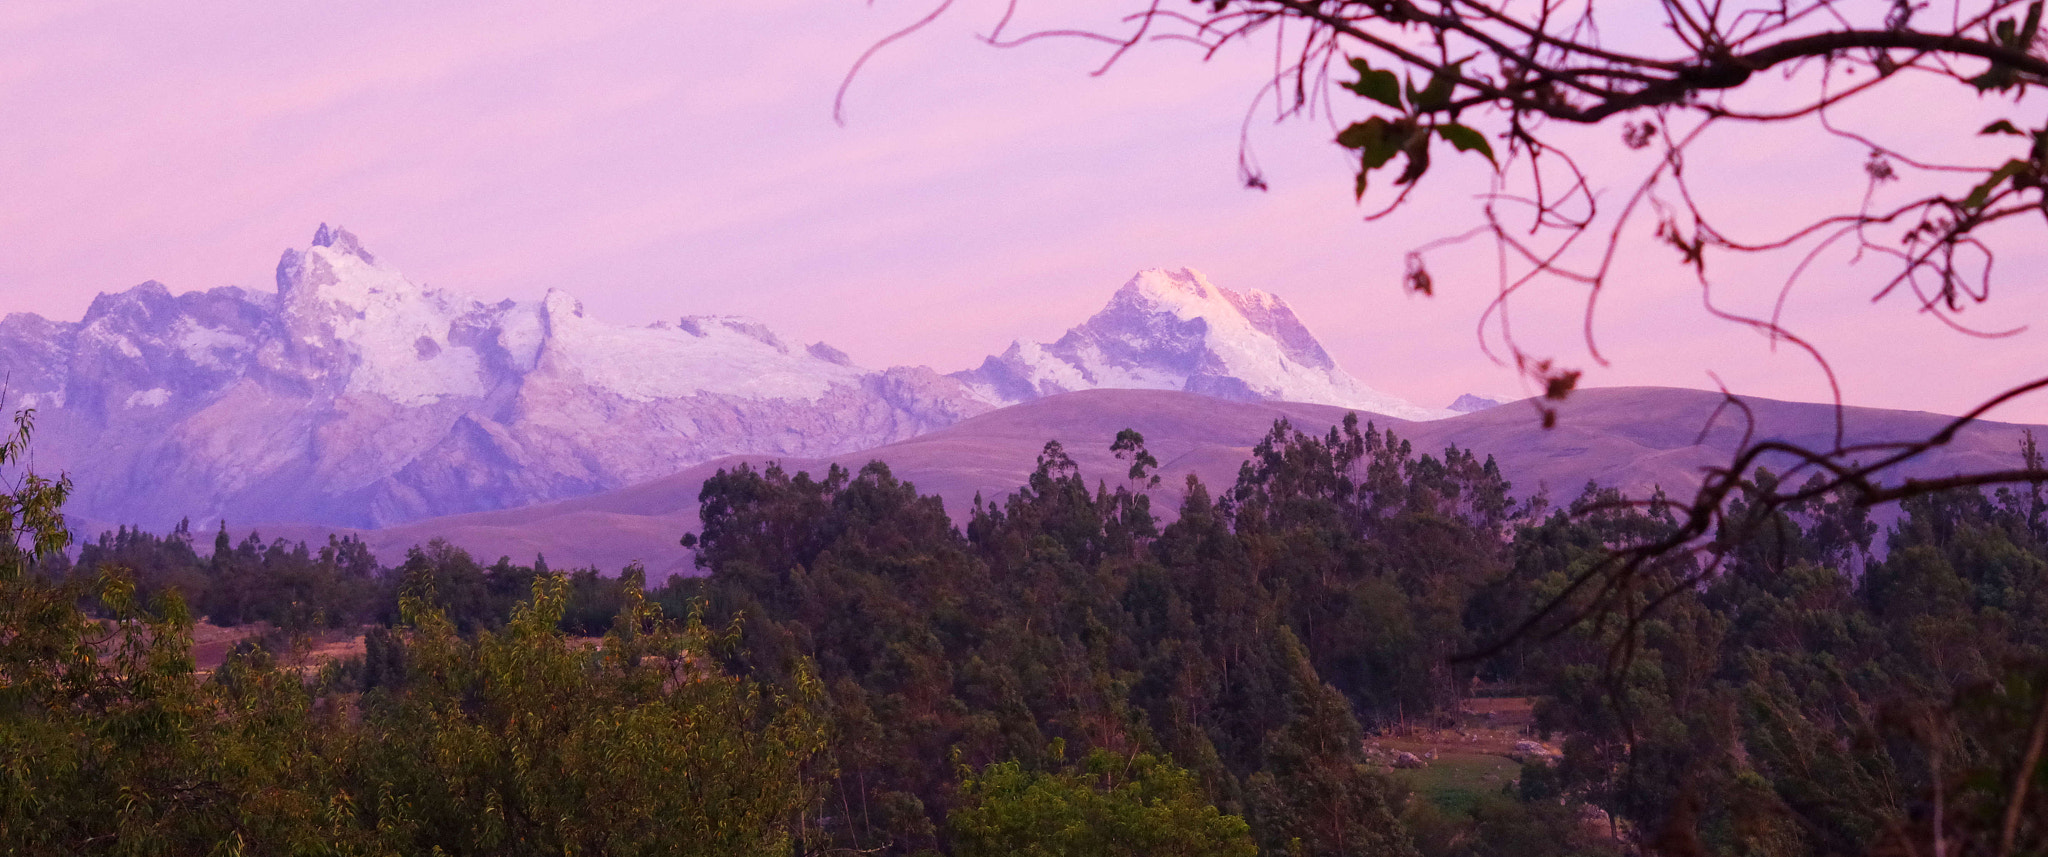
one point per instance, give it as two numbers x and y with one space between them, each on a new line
1455 781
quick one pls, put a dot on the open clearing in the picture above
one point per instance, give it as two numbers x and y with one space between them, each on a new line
1461 763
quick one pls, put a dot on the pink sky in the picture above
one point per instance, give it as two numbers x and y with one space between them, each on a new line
661 159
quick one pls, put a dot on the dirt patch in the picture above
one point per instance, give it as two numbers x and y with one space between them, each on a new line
1487 726
211 644
1500 712
328 647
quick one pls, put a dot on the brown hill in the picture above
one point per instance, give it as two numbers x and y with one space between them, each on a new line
1631 438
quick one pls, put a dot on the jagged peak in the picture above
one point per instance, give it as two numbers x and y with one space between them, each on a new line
1263 299
336 268
1171 287
145 296
1174 329
702 325
341 240
560 303
1190 288
1187 295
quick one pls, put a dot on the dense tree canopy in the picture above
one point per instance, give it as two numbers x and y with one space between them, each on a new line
1065 674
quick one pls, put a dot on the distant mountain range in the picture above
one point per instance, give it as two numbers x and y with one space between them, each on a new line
353 397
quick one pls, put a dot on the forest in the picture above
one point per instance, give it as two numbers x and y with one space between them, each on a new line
1069 671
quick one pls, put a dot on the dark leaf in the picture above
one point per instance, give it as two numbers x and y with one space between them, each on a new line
1363 135
1417 149
1380 86
1394 137
1376 140
1465 139
1559 386
1981 194
1438 92
1417 278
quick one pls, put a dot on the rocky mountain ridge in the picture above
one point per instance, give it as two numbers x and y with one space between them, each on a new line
352 396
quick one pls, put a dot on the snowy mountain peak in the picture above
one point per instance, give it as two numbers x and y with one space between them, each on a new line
1176 330
342 241
1188 295
561 304
336 269
1185 287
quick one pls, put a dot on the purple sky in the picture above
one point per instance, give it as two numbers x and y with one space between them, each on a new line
660 159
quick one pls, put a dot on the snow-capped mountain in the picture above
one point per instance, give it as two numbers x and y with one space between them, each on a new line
353 396
1175 330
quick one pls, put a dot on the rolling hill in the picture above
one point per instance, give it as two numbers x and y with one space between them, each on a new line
1634 439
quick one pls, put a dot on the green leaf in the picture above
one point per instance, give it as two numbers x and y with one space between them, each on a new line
1438 92
1363 135
1981 194
1391 141
1380 86
1464 139
2002 126
1377 142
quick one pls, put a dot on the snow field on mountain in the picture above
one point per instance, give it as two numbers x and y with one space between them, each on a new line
646 364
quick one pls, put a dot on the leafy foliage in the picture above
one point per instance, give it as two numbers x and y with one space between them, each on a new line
1112 806
517 741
